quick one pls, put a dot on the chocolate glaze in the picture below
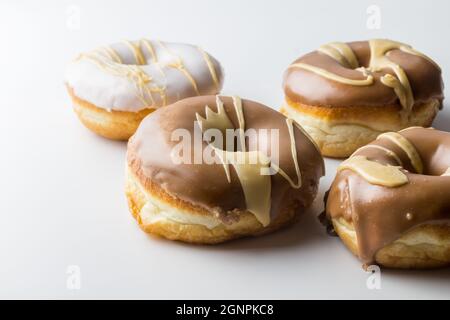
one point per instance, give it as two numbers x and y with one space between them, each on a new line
381 214
206 185
308 88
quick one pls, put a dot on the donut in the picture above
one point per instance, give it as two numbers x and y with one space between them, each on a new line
346 94
114 87
390 201
256 174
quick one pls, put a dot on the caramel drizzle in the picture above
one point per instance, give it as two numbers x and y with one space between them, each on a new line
148 45
179 65
237 102
136 50
332 76
150 49
132 72
256 186
407 147
385 175
290 124
374 172
162 90
214 120
110 52
340 52
379 59
210 66
389 152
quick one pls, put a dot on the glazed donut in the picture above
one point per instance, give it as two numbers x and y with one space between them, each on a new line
346 94
114 87
390 201
201 201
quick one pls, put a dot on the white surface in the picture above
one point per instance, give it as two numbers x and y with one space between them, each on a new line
61 187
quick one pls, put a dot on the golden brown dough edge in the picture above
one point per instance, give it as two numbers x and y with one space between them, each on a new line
138 195
424 247
339 131
115 125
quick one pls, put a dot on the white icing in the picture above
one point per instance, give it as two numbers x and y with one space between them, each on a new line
106 77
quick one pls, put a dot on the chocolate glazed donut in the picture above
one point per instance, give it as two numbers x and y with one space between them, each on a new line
211 202
390 201
346 94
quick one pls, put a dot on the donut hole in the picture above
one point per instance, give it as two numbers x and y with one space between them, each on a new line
129 60
430 146
434 154
434 157
128 57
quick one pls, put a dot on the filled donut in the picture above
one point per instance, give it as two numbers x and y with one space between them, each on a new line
390 201
210 169
345 94
114 87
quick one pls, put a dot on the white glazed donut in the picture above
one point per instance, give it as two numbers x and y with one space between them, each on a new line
114 87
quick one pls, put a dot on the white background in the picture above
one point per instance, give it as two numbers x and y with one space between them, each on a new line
61 187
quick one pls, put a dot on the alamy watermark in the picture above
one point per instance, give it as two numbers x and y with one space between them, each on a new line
73 281
73 18
373 281
213 146
373 21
